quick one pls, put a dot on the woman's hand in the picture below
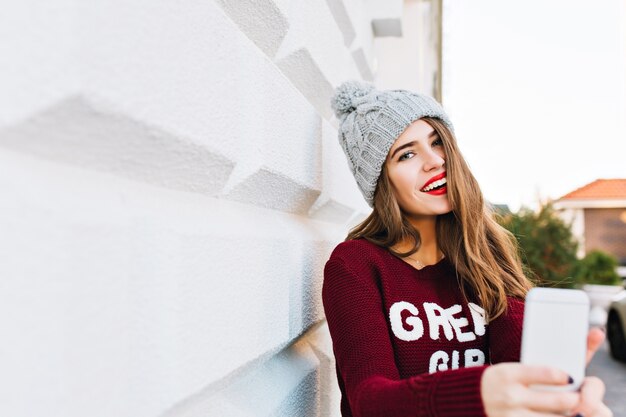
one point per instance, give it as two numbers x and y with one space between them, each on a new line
592 389
505 391
591 393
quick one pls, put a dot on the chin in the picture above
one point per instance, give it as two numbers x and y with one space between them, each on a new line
433 212
434 209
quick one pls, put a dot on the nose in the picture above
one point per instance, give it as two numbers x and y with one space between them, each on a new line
433 161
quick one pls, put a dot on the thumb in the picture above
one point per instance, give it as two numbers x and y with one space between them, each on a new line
595 338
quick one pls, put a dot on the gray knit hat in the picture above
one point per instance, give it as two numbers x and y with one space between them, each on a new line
371 121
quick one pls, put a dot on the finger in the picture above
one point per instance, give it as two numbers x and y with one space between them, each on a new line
557 402
591 395
544 375
595 338
592 388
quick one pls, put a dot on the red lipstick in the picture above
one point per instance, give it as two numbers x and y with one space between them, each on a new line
438 191
433 179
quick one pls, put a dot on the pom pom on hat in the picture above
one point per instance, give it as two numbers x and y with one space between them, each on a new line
346 96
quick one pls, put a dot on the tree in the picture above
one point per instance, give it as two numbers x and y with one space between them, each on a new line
597 267
547 246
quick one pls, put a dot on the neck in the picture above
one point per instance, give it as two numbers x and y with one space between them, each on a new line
428 252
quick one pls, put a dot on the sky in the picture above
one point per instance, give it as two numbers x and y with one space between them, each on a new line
536 91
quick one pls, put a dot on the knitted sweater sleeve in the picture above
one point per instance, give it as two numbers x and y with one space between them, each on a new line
505 333
365 358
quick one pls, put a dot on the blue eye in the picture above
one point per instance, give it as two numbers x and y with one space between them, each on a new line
406 155
438 142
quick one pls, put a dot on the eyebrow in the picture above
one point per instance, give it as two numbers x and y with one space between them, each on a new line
412 143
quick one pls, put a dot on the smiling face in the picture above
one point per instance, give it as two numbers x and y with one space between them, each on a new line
415 167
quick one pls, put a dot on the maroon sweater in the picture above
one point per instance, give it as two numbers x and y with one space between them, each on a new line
406 343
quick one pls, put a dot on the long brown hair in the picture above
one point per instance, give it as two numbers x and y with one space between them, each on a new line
485 255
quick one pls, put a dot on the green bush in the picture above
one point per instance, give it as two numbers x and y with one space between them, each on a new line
548 248
597 267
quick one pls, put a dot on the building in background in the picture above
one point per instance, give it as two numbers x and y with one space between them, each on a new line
597 212
171 188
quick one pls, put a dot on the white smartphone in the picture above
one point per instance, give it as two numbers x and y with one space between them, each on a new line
556 323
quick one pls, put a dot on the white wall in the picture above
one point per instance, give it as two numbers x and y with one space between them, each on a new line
575 217
170 189
412 61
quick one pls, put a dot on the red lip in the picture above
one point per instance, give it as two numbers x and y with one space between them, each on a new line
433 179
441 191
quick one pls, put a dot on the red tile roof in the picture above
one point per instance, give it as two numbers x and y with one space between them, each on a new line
599 190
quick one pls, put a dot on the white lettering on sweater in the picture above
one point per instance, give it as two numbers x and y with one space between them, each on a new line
478 317
439 360
438 318
441 320
474 357
395 316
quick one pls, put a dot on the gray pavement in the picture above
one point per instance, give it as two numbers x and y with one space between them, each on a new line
613 373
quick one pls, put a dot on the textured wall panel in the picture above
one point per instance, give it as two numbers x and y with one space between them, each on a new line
386 16
355 23
81 132
261 20
330 396
38 45
273 190
340 196
211 83
300 67
312 55
343 21
171 189
283 384
306 307
146 295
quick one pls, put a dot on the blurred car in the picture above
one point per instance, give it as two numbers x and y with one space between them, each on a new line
616 326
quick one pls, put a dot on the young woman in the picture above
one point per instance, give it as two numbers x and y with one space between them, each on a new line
424 299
